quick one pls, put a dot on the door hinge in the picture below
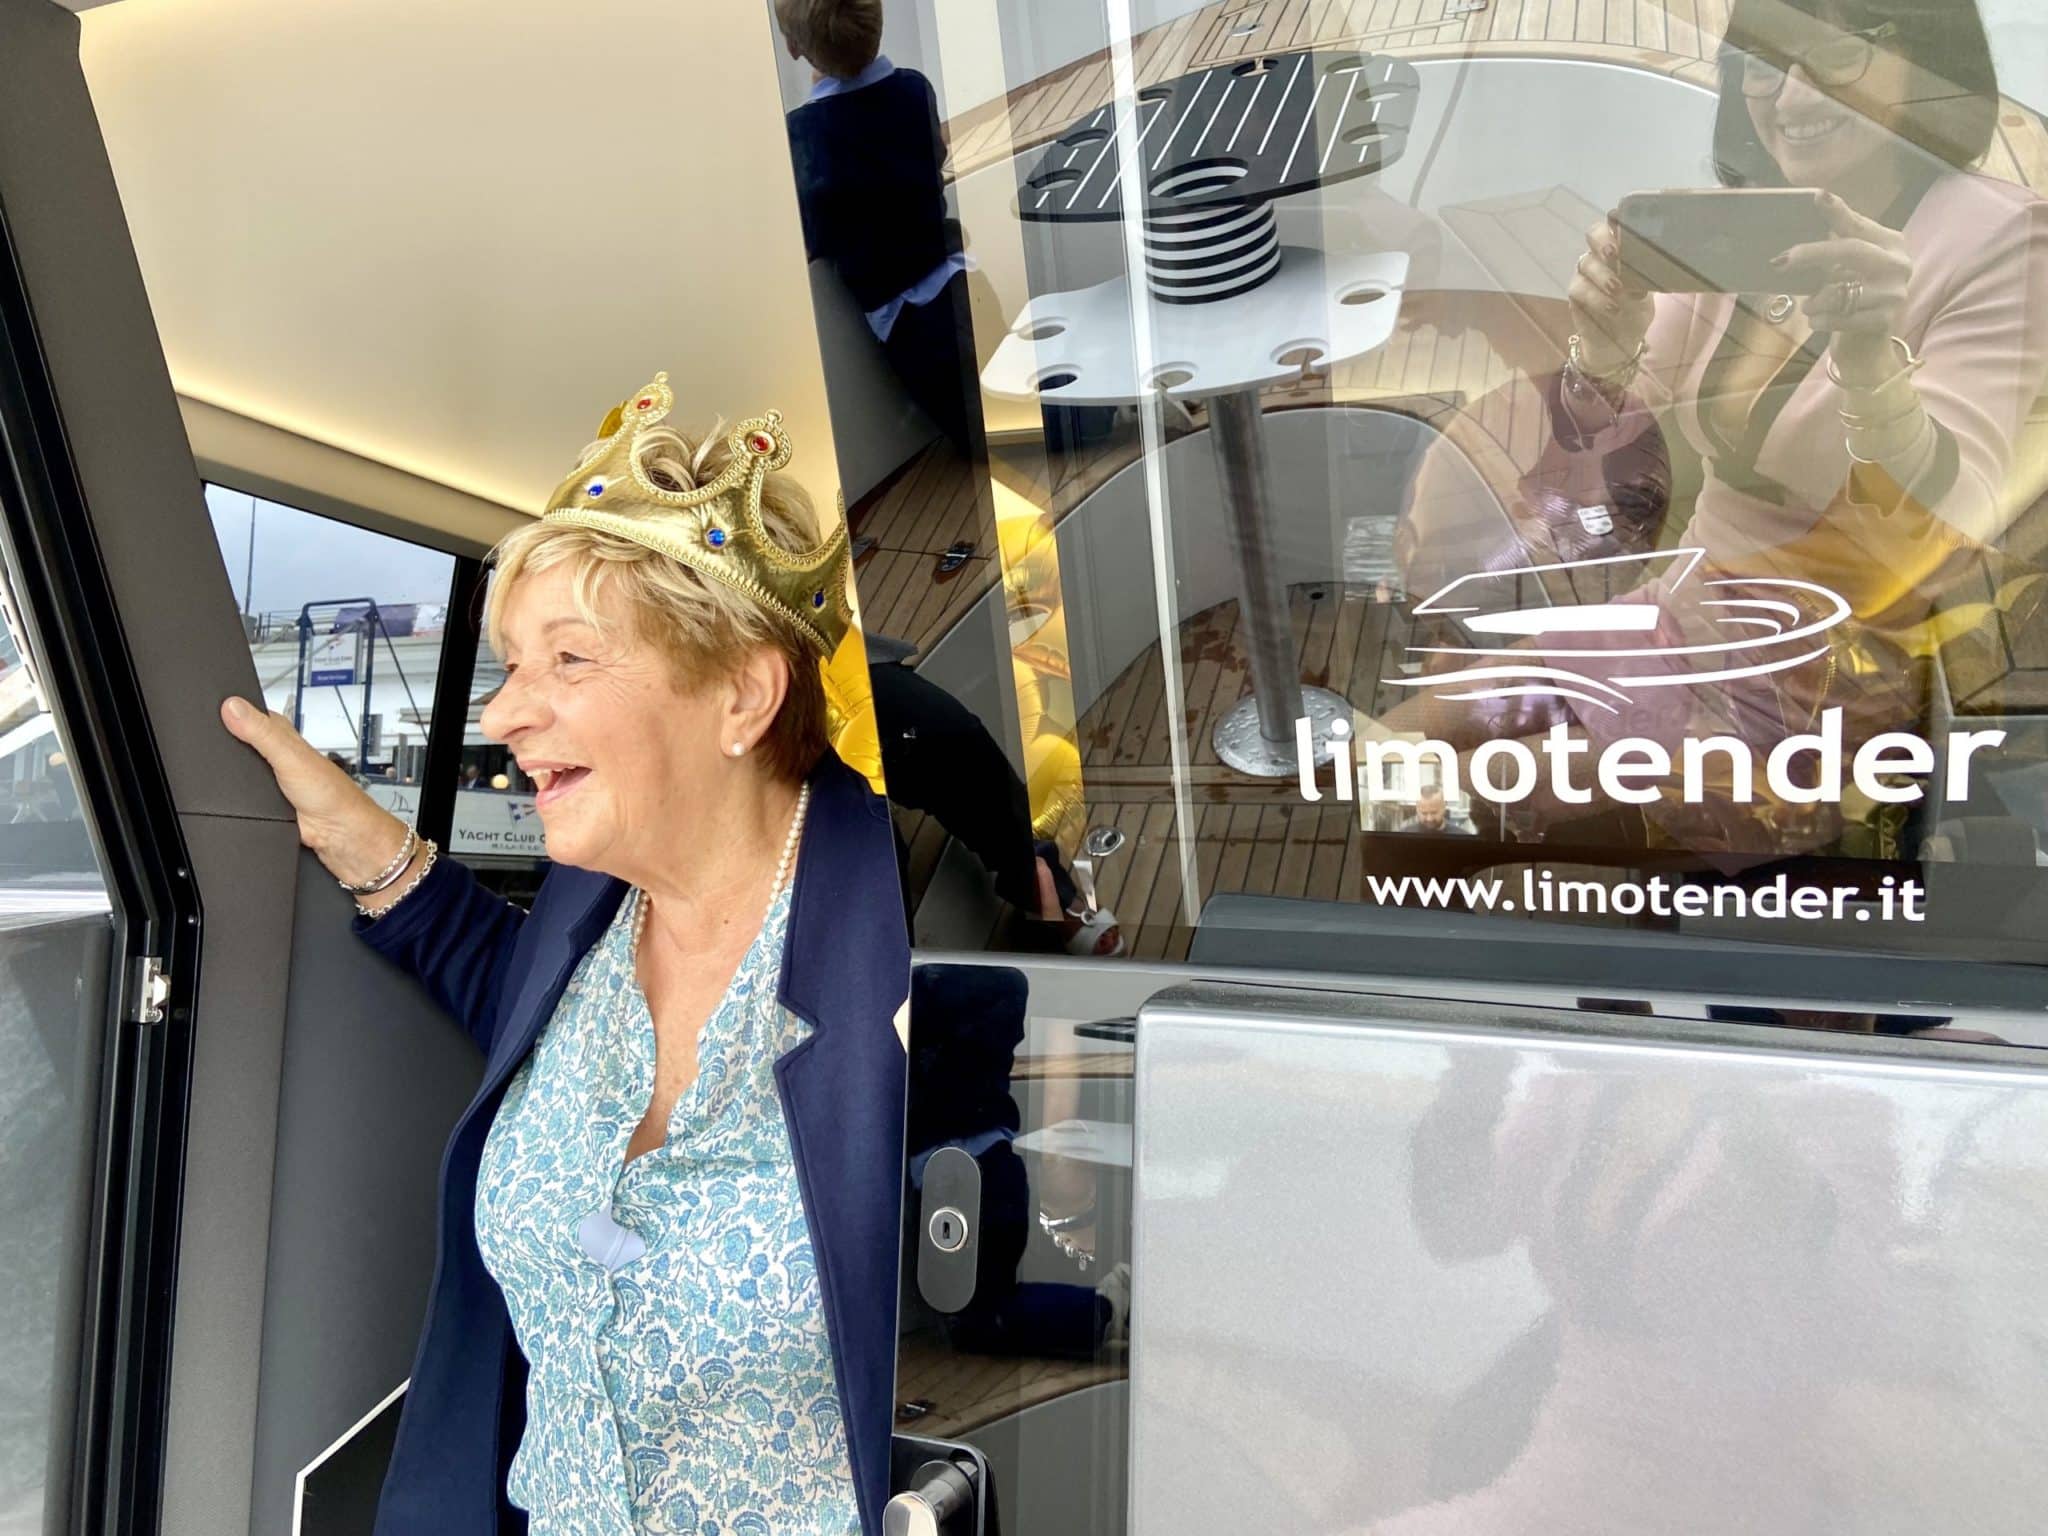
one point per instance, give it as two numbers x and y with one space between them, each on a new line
152 990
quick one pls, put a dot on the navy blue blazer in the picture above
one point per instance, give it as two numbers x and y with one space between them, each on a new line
871 184
500 972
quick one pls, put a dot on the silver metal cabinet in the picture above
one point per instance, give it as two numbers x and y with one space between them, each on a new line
1412 1267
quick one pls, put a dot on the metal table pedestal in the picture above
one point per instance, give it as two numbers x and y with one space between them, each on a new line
1257 735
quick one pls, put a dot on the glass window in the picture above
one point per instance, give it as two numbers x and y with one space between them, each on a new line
56 957
44 843
1020 1120
2019 47
497 831
346 628
1325 461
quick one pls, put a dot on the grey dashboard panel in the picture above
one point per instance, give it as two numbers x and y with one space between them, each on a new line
127 440
1411 1267
374 1076
296 1296
243 869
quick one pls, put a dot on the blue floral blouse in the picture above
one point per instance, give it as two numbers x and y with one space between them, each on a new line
681 1380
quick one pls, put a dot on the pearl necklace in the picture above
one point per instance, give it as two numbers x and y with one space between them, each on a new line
789 844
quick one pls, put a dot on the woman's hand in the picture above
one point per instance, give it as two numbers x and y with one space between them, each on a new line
1863 270
1610 317
354 836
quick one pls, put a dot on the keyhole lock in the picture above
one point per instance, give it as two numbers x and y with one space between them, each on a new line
950 1205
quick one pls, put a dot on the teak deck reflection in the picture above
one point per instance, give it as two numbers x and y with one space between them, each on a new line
962 1392
1675 37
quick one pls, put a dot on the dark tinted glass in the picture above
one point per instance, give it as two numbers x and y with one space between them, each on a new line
56 955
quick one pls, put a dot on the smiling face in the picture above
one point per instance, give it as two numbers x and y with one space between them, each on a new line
620 752
1825 131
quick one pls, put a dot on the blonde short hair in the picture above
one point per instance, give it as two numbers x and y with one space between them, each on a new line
840 37
703 626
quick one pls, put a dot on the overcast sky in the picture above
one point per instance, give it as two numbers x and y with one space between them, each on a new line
301 558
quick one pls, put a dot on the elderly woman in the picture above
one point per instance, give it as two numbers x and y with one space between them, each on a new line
666 1293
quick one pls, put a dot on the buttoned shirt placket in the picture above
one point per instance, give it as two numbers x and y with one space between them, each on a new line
628 1044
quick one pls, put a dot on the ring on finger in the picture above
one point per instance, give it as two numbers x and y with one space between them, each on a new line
1843 292
1579 266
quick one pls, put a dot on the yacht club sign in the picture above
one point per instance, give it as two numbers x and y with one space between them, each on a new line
486 820
1545 650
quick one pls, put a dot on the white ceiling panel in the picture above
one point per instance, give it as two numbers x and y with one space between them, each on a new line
446 237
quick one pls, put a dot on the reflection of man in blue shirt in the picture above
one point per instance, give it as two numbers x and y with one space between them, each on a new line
870 185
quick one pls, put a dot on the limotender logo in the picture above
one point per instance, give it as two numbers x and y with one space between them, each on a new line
1762 631
1582 652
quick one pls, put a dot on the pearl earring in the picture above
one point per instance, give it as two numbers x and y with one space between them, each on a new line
737 749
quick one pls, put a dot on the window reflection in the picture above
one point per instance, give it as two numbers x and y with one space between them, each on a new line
44 843
56 955
1455 400
497 831
1033 1338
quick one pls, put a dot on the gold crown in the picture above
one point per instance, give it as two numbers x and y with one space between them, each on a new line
715 529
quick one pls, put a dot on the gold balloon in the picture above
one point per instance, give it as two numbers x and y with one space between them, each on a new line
850 710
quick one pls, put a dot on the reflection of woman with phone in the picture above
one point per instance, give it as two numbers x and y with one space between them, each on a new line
1878 107
1857 416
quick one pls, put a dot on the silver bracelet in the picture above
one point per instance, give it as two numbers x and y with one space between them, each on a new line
389 872
1909 365
1889 450
1052 1226
433 852
1617 378
1857 423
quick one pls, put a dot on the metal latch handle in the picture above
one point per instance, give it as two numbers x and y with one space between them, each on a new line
938 1491
152 990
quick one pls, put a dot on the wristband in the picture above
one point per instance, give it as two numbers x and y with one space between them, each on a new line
1615 378
389 872
433 852
1908 366
1857 423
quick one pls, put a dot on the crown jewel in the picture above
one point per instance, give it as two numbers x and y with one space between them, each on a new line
715 529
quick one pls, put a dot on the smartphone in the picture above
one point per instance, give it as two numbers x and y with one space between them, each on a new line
1716 239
